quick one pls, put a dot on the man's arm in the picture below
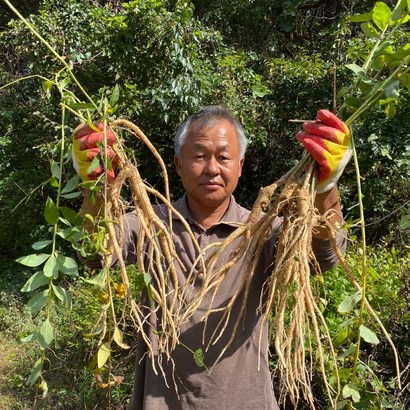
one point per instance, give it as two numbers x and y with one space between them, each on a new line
328 202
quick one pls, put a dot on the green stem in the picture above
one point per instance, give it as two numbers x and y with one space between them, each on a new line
364 259
47 44
23 79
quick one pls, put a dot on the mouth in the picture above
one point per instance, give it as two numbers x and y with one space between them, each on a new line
211 185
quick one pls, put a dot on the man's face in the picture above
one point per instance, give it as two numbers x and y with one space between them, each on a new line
210 164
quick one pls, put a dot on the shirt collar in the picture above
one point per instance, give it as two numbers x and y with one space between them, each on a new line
232 215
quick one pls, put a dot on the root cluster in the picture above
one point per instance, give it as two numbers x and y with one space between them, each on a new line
287 301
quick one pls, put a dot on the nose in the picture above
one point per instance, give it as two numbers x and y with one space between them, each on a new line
212 166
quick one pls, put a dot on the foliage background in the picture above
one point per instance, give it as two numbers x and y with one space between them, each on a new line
268 61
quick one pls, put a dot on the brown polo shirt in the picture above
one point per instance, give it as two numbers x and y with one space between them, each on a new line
235 381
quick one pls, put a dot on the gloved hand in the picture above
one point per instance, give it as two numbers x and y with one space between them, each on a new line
87 145
329 142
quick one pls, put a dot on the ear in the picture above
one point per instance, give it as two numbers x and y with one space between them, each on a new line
241 161
177 163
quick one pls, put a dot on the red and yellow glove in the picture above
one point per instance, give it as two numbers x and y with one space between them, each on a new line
87 146
328 140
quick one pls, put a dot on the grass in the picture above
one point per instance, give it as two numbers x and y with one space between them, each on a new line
71 385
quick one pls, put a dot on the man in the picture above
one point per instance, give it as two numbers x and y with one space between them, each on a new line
209 155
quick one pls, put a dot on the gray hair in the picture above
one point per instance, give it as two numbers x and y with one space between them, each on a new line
205 117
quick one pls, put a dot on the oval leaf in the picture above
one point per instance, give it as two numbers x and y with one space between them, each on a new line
391 90
35 372
67 265
349 302
51 212
46 334
381 15
33 260
62 295
350 390
369 30
368 335
51 267
71 184
35 281
40 245
103 354
56 171
72 217
37 302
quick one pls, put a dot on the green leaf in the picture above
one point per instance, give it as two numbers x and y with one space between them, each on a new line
46 86
384 48
67 265
33 259
62 295
341 336
390 110
51 267
350 390
391 89
35 281
373 273
360 18
46 334
37 302
340 405
71 195
342 92
51 212
94 165
103 354
349 302
381 15
353 102
115 95
369 30
360 73
402 53
368 336
30 338
399 12
35 372
99 279
73 217
56 171
40 245
199 357
260 90
71 184
54 182
348 352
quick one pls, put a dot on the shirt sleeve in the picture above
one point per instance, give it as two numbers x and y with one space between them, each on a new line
324 252
131 228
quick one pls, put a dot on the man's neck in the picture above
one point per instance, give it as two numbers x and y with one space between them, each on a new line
206 216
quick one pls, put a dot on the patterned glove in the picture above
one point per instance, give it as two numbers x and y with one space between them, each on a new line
87 146
328 140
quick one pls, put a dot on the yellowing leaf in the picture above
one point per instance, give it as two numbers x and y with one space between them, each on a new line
103 354
118 338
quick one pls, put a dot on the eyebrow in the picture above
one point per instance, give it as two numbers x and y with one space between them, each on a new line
225 147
